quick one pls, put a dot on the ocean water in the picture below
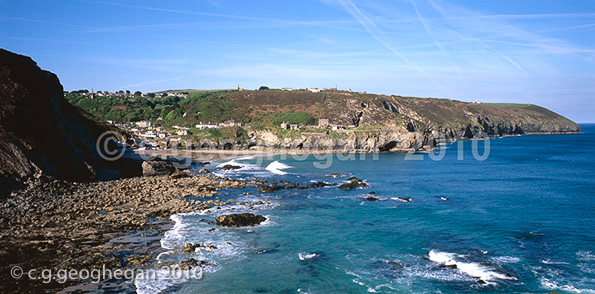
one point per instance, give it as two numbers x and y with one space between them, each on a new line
520 221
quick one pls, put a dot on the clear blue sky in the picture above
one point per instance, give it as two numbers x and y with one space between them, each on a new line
525 51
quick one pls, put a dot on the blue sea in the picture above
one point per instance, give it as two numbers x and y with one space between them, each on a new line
519 220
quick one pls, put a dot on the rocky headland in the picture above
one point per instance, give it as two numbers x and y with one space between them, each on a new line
41 133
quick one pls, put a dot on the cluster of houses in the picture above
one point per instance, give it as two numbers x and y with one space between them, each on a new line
323 123
128 94
288 126
225 124
165 94
144 133
317 90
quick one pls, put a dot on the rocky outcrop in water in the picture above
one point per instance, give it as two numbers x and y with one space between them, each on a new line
191 247
354 183
239 220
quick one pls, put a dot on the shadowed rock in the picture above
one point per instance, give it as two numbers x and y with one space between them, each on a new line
191 247
41 133
239 220
354 183
230 167
372 199
157 168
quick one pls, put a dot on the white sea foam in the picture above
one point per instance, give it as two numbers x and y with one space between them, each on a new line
353 274
505 259
276 167
553 285
585 255
247 157
402 199
306 256
172 237
548 261
163 254
162 279
476 270
188 227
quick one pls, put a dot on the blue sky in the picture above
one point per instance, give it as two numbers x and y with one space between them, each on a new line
525 51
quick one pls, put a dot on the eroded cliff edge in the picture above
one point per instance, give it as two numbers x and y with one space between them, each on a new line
40 132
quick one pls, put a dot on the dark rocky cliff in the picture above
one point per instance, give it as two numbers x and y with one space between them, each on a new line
40 132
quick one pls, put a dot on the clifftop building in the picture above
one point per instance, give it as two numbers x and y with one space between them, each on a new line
143 124
323 123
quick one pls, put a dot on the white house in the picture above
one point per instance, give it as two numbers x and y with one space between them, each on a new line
149 134
314 90
230 123
183 132
323 123
202 126
287 89
143 124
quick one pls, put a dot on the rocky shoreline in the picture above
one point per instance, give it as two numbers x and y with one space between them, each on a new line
416 143
117 224
70 225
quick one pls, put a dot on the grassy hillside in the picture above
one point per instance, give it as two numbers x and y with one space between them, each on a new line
271 107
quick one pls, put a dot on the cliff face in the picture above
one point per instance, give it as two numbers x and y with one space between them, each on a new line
385 122
40 132
415 114
494 119
384 139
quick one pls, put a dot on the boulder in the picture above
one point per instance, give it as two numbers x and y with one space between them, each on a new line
277 186
189 263
179 174
191 247
239 220
319 184
354 185
370 198
230 167
157 168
